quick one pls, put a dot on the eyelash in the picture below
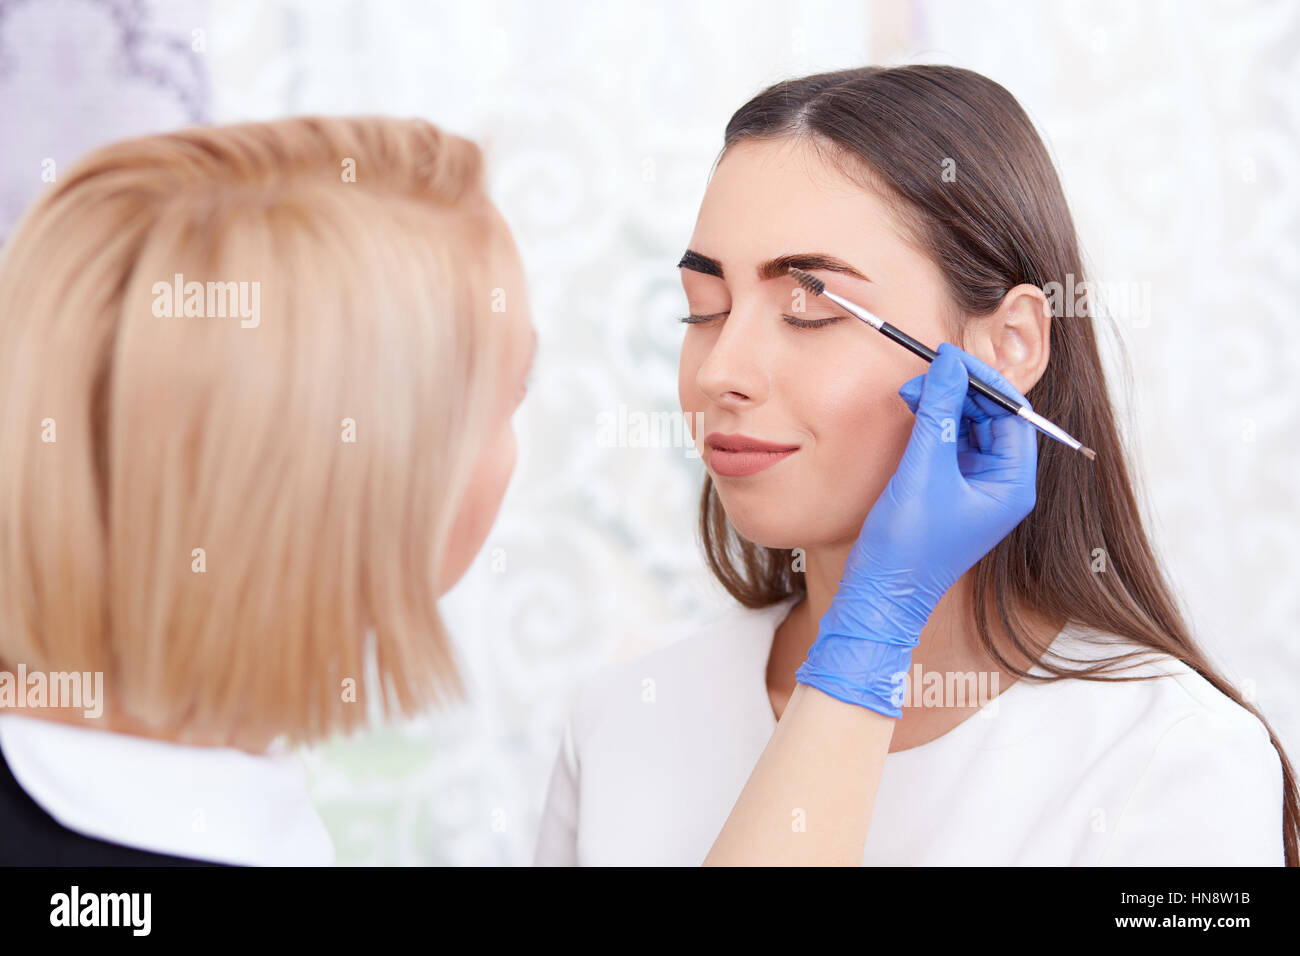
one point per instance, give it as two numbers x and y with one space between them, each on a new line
790 320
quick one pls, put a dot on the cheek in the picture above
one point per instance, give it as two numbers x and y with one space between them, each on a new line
688 367
845 392
478 509
852 410
500 469
860 427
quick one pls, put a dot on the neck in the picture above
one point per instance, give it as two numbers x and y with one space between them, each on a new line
948 637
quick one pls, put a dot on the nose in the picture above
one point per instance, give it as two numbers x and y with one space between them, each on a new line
735 374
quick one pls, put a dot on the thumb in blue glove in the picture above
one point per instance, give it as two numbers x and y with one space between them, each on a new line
966 479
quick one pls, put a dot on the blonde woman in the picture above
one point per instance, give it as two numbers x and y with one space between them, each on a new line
255 401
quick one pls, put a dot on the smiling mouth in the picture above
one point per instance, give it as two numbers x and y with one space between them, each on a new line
735 456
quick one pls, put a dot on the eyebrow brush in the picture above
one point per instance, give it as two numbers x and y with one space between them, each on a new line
818 287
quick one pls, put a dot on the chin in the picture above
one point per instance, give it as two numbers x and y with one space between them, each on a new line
766 525
802 521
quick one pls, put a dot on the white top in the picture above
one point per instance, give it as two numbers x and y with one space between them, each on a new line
1154 772
206 803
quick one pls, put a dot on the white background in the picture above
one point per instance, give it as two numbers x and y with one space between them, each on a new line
1176 132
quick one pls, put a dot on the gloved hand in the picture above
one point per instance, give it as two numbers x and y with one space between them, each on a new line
966 479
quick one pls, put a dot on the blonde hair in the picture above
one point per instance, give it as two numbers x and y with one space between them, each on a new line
369 242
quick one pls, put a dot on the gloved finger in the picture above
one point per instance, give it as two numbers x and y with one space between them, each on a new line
982 430
944 389
1014 440
978 368
1007 466
977 407
938 417
910 392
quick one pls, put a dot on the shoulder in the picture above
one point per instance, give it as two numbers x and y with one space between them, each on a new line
1191 776
1153 688
1194 777
1146 763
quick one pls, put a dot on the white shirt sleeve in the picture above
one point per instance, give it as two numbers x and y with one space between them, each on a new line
557 839
1210 795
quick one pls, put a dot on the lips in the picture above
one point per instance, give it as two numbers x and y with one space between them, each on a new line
735 456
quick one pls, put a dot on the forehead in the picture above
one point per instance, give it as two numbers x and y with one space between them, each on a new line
508 297
507 268
767 197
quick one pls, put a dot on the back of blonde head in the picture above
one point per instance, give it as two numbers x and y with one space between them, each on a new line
228 518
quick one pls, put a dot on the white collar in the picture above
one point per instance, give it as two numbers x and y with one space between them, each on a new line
206 803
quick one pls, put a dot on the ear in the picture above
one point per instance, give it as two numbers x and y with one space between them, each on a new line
1016 338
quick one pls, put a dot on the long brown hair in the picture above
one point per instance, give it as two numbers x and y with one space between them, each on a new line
1000 221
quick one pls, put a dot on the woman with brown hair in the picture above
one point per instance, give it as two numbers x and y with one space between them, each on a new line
1097 731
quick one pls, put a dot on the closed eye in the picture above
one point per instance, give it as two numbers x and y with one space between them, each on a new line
790 319
811 323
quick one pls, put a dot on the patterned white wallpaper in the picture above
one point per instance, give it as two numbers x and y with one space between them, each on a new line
1175 128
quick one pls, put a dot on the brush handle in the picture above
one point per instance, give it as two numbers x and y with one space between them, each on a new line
912 345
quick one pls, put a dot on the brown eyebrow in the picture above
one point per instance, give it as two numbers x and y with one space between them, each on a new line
773 268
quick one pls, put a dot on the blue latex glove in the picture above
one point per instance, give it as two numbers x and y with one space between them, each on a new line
966 479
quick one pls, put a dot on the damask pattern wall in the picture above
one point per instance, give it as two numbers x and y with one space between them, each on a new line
1174 126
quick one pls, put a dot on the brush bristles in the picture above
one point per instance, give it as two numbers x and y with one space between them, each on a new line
1091 455
813 284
